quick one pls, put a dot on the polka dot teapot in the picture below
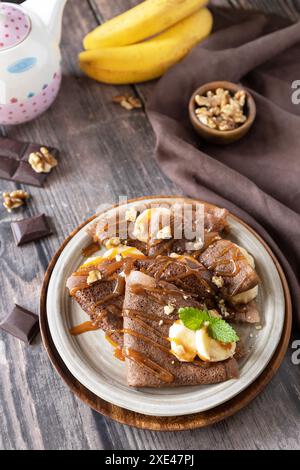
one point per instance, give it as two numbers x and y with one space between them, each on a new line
30 58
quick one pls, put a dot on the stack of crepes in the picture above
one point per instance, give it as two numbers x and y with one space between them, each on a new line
137 289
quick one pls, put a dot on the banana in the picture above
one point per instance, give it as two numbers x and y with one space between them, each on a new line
143 21
208 349
150 59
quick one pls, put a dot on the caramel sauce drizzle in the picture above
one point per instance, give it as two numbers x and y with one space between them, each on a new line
131 312
110 340
105 299
165 262
90 249
163 291
83 328
139 358
77 288
117 349
80 273
118 353
236 256
145 338
140 321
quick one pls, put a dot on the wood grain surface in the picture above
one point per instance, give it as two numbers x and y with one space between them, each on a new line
105 152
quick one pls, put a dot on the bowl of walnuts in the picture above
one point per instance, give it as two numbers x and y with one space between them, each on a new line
222 112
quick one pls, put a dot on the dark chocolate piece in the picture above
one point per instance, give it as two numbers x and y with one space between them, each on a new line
30 229
11 148
22 324
14 164
8 167
27 175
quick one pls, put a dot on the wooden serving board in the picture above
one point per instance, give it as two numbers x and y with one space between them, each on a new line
154 423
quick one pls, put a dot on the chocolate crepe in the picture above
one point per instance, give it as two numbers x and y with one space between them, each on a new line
146 348
103 300
225 259
214 223
256 178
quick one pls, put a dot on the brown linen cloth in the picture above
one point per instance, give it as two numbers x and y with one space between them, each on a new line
257 178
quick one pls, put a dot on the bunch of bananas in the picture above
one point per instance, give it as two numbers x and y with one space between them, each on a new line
119 52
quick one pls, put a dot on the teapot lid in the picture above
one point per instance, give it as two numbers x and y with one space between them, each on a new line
14 26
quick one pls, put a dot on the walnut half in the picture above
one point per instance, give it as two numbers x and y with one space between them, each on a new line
42 161
128 102
221 110
14 199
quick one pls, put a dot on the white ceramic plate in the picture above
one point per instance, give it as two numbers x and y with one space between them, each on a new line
89 357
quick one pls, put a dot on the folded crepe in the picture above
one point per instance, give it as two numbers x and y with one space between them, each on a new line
183 271
103 300
118 225
229 262
147 351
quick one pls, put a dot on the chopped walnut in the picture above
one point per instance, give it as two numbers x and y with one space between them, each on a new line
168 309
128 102
42 161
218 281
223 308
93 276
221 110
112 242
14 199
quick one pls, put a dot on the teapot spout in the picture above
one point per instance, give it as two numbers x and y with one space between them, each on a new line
50 12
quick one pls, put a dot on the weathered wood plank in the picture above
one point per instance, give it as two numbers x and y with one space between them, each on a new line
105 151
99 143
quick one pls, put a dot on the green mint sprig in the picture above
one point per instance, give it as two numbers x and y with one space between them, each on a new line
218 329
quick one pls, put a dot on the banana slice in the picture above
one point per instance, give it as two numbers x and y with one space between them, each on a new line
152 224
210 350
245 297
251 294
183 342
248 257
121 250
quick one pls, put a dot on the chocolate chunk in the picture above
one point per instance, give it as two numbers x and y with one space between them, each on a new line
30 229
14 164
12 148
27 175
8 167
22 324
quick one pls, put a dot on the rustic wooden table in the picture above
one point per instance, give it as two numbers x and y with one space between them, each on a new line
105 152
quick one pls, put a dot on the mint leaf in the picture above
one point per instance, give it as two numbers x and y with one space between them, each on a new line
193 318
220 330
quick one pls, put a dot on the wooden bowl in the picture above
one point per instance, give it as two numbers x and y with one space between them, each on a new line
222 137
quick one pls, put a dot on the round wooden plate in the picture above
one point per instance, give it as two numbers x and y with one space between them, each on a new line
154 423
